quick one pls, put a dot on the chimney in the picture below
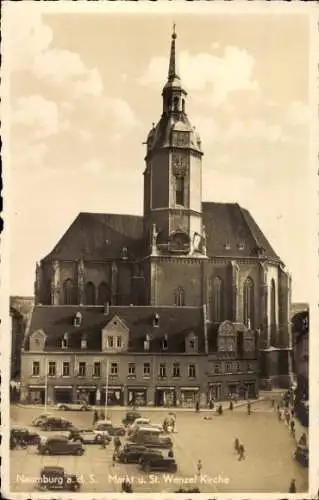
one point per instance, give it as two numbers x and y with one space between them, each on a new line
107 309
205 328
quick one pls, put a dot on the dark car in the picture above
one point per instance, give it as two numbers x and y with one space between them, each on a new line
20 435
60 445
164 442
113 430
56 424
302 455
130 417
155 461
55 478
131 453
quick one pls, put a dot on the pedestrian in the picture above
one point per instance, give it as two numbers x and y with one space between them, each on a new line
272 403
95 417
231 405
287 416
292 487
279 415
249 408
241 452
303 439
197 406
292 428
278 407
211 404
220 409
103 442
236 445
199 467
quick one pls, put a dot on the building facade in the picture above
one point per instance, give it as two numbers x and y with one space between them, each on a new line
182 253
20 313
300 334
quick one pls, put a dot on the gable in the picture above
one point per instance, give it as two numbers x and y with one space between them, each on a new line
37 340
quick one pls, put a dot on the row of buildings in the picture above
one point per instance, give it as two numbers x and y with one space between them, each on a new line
184 303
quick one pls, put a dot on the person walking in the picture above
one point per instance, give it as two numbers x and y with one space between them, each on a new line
272 403
103 442
220 409
231 405
95 417
197 406
249 408
241 452
292 487
292 428
199 467
236 445
279 415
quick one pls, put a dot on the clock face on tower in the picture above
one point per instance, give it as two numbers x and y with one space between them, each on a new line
179 163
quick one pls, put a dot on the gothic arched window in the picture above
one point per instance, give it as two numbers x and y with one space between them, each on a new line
68 292
179 190
90 293
103 294
218 302
179 297
248 294
273 326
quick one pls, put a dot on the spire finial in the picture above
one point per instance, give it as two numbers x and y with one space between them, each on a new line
172 65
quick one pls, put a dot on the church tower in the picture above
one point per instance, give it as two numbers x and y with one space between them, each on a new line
173 175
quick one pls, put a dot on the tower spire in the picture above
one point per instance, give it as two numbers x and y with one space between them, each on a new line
172 60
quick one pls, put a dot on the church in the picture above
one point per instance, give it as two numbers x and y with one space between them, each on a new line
189 297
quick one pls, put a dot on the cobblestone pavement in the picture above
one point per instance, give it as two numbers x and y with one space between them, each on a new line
269 465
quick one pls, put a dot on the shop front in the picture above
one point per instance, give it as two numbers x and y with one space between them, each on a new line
36 394
233 390
115 395
62 393
137 396
165 396
250 389
189 397
86 394
214 392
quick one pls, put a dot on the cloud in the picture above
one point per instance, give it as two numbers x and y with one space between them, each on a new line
123 117
39 114
221 75
298 114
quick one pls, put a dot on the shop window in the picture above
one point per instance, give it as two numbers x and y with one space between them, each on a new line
97 369
147 369
77 319
114 368
82 369
52 369
110 342
176 370
191 371
36 368
132 369
162 370
66 369
119 342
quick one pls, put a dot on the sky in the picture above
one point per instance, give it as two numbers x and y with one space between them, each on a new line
85 89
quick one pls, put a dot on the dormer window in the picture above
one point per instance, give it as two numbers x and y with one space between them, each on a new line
227 246
65 341
77 320
147 342
241 245
156 320
165 343
124 253
84 342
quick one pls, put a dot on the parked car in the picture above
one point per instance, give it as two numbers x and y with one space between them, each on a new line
131 453
113 430
101 429
138 422
20 435
151 438
55 478
56 424
38 421
60 445
86 436
73 407
130 417
154 461
302 455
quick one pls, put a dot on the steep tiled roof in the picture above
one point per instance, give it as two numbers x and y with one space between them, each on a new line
99 236
173 322
229 224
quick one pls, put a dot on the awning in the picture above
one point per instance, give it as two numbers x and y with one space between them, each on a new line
214 384
165 388
137 388
86 387
112 387
36 386
189 388
62 387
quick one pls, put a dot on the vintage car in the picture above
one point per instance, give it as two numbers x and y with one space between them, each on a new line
150 437
55 478
19 435
131 453
86 436
38 421
113 430
130 417
302 455
56 424
60 445
101 429
73 407
155 461
138 423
